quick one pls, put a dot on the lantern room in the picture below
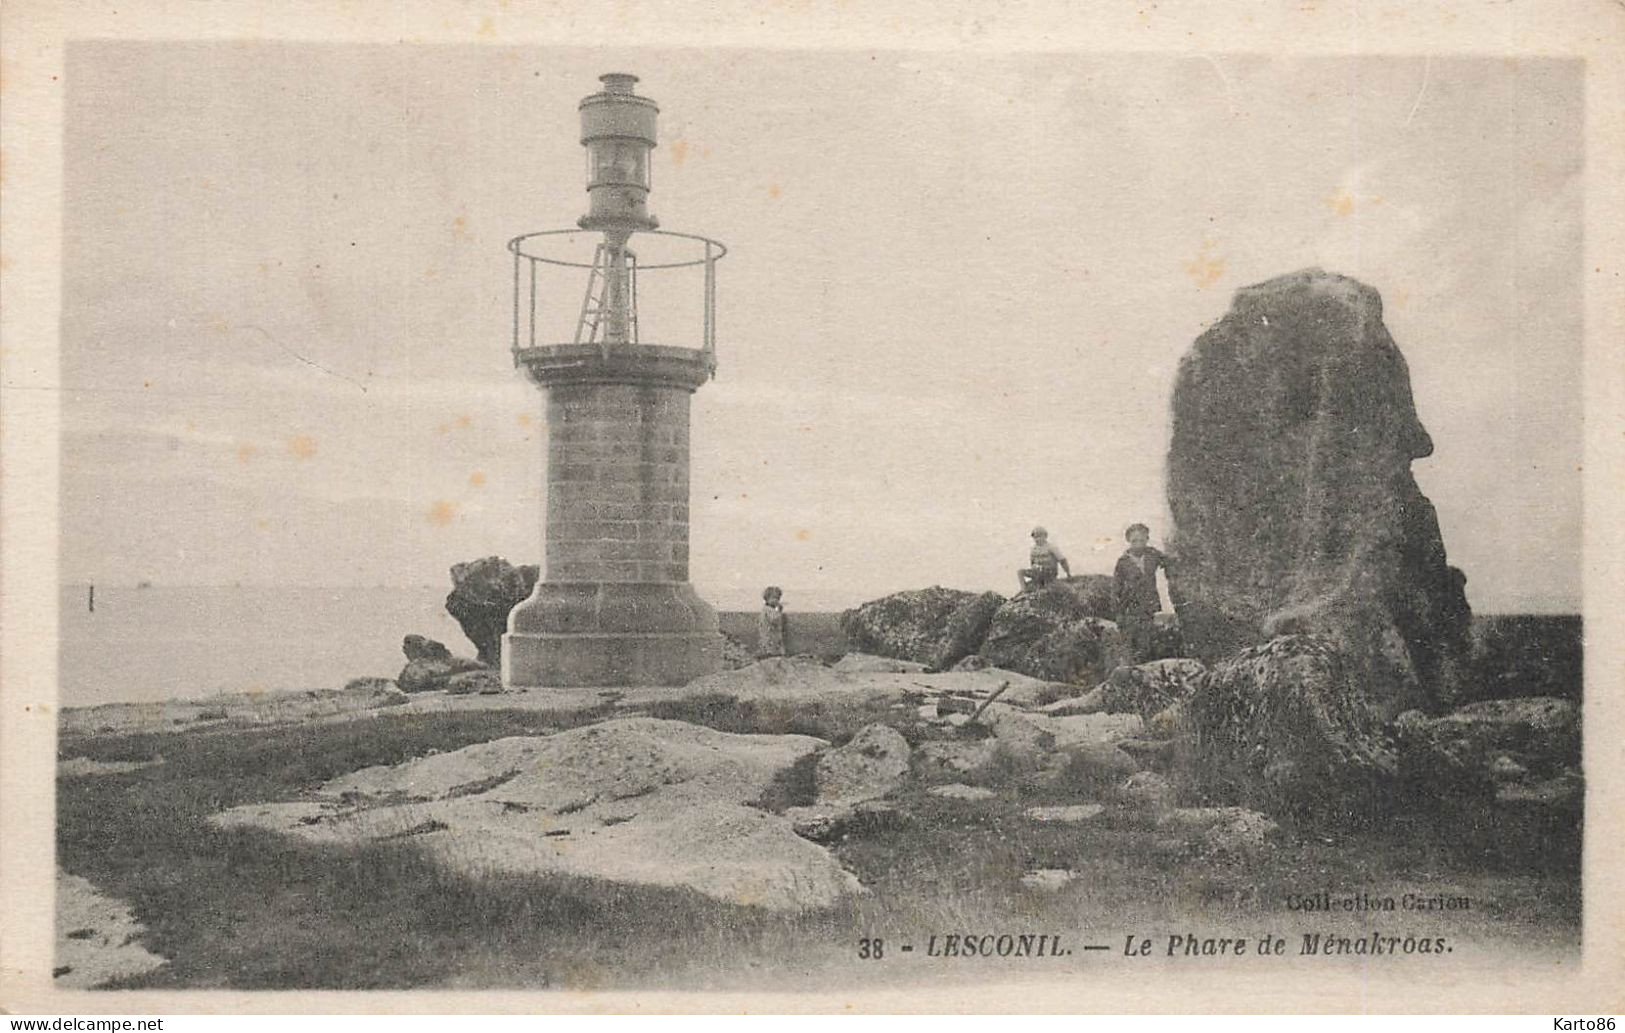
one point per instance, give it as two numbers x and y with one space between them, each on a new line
618 131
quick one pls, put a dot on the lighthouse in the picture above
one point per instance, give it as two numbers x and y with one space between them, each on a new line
614 605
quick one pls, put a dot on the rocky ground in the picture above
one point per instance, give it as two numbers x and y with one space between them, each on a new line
97 939
786 787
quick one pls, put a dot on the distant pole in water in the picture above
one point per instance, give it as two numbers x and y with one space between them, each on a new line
92 598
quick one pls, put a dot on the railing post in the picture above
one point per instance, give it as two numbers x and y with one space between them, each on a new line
533 303
513 245
710 309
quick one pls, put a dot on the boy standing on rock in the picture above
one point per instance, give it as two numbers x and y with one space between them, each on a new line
1137 598
1045 563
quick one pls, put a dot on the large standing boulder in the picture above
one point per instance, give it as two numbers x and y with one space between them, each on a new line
1289 728
1051 634
482 593
934 626
1295 511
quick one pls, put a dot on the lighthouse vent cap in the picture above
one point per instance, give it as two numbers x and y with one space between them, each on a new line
618 82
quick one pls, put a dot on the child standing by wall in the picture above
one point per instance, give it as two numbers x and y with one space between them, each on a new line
770 631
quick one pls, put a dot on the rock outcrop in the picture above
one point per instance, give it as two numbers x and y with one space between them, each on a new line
1144 689
952 759
1288 728
416 647
934 626
634 800
1096 594
97 937
374 692
1148 789
483 592
1051 634
430 666
1295 510
1243 836
1166 642
868 767
1516 750
485 682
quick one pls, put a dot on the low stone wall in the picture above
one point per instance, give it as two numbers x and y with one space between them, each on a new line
818 634
1527 655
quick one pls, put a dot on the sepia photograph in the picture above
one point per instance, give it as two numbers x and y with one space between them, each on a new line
818 519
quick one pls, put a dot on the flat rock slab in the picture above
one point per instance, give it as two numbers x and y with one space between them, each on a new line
1240 836
360 699
1020 689
824 823
76 767
1088 703
1048 879
955 757
1148 790
1200 819
635 800
792 679
960 791
864 663
1025 729
96 937
1100 728
1068 814
1143 689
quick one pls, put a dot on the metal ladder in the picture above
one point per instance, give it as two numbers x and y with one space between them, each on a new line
596 303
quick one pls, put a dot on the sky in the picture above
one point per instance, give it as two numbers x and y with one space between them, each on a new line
957 292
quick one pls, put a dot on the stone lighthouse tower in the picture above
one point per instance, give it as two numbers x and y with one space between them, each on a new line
614 606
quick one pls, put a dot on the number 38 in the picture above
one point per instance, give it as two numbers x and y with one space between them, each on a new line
871 950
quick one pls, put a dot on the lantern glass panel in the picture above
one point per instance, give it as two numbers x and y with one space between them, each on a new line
618 161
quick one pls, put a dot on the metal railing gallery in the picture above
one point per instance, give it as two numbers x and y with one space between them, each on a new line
529 254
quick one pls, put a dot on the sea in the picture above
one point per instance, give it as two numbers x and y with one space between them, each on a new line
149 644
143 645
160 642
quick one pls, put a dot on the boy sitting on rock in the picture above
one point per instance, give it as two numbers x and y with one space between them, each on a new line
1045 563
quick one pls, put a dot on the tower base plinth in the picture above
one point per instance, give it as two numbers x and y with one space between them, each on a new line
604 634
565 661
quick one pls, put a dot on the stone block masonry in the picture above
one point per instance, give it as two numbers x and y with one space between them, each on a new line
617 480
615 606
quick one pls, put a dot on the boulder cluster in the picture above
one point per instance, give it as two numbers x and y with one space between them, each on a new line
483 592
1063 632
